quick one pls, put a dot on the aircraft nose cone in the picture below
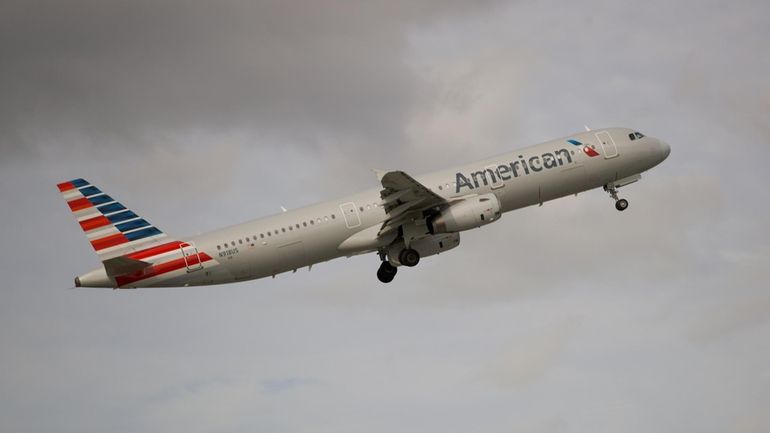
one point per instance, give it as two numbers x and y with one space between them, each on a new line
665 149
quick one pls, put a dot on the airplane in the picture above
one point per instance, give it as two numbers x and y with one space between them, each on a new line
403 220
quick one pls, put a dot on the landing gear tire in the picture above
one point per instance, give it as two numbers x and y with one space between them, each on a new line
409 257
387 272
621 204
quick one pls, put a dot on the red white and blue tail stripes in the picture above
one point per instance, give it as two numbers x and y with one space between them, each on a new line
112 229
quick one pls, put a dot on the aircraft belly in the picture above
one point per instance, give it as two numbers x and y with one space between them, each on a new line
520 193
570 180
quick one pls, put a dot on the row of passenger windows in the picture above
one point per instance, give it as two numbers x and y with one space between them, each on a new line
368 207
277 232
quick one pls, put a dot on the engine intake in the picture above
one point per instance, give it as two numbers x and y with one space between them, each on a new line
467 214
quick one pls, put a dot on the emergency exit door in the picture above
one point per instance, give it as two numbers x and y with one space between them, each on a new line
609 149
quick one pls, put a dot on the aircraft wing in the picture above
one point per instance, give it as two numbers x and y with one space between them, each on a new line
403 198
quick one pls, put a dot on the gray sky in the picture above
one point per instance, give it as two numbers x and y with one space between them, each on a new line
567 318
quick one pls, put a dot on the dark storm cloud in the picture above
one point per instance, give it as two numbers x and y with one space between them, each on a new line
115 72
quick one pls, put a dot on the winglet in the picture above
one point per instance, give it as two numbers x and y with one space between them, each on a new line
379 173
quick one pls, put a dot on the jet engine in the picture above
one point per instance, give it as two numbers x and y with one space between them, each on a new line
467 214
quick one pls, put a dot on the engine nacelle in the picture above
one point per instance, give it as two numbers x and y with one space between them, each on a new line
468 214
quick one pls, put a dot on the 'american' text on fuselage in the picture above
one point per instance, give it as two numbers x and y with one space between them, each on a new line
504 172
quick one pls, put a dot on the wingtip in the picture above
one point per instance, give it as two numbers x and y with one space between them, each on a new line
379 173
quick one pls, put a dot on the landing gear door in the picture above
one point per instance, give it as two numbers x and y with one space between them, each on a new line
609 149
191 256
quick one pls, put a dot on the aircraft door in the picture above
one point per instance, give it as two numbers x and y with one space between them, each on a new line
609 149
350 213
191 256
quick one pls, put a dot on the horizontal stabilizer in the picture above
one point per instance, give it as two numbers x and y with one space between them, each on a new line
123 266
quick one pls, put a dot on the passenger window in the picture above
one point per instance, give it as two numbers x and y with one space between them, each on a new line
312 222
291 228
304 223
268 233
276 231
318 220
332 216
219 247
361 208
326 219
240 241
262 235
297 225
283 229
232 243
440 187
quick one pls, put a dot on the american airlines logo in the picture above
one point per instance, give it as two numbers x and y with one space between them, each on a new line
522 167
586 148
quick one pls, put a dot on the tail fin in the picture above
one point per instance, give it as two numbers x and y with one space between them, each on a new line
112 229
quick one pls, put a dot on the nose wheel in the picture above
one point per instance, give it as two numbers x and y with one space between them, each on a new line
621 204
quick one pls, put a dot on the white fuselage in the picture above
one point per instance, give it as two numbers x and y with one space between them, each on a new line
301 237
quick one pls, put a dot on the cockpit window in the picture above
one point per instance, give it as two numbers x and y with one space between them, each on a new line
632 136
638 134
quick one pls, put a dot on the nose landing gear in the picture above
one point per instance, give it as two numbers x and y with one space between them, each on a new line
621 204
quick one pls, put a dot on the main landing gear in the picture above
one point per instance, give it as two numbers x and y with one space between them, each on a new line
387 272
407 257
621 204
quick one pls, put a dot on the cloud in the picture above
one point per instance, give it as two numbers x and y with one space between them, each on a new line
525 359
110 73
